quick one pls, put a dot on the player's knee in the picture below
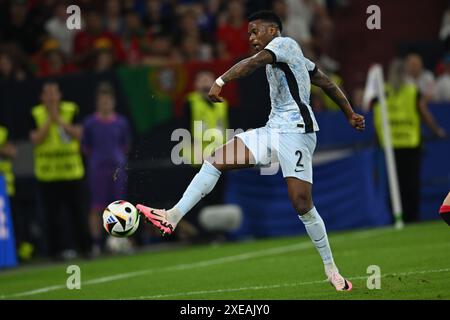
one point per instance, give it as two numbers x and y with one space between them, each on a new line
302 203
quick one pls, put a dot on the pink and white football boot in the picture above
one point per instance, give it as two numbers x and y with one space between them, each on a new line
158 218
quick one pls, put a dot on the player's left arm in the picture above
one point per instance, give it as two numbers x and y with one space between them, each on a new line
241 69
321 80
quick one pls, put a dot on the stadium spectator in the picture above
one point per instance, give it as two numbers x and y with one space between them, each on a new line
106 141
193 50
104 55
442 93
307 21
189 28
59 171
421 78
407 109
57 29
113 19
232 33
134 39
294 25
52 61
10 68
20 29
161 51
444 32
85 41
206 15
157 17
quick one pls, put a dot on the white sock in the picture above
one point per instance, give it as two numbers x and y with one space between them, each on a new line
316 230
202 184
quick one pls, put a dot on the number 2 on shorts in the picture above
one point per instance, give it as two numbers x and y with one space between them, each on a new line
299 166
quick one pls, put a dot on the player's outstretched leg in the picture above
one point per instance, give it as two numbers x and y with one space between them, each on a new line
301 197
233 155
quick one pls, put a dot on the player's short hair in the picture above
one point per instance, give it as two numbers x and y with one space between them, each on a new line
267 16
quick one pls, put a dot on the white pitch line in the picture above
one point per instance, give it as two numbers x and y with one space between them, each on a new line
274 286
184 266
206 263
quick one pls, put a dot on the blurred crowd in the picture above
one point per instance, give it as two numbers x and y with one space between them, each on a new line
34 39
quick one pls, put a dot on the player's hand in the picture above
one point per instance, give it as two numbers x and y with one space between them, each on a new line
214 93
357 121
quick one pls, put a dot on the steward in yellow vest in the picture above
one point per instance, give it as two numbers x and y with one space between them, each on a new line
57 155
7 152
406 110
59 171
206 115
206 121
403 116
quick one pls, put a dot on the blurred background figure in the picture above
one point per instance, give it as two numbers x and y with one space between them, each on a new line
57 29
161 51
407 109
10 67
59 170
442 93
52 61
113 20
202 115
157 17
104 55
93 37
18 27
417 75
193 42
106 142
232 32
135 40
8 152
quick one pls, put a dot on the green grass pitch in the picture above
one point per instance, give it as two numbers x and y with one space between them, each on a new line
414 264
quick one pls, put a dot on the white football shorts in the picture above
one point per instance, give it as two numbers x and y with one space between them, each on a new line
293 151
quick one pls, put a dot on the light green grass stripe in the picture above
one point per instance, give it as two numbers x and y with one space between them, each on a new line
276 286
206 263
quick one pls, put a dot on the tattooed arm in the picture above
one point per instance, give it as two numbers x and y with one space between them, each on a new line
321 80
239 70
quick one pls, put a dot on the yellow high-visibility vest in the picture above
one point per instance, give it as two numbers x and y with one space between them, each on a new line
403 116
58 157
213 116
6 169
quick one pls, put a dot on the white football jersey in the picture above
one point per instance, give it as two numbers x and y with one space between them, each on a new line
290 87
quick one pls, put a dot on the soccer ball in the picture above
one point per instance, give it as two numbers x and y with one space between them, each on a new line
120 219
